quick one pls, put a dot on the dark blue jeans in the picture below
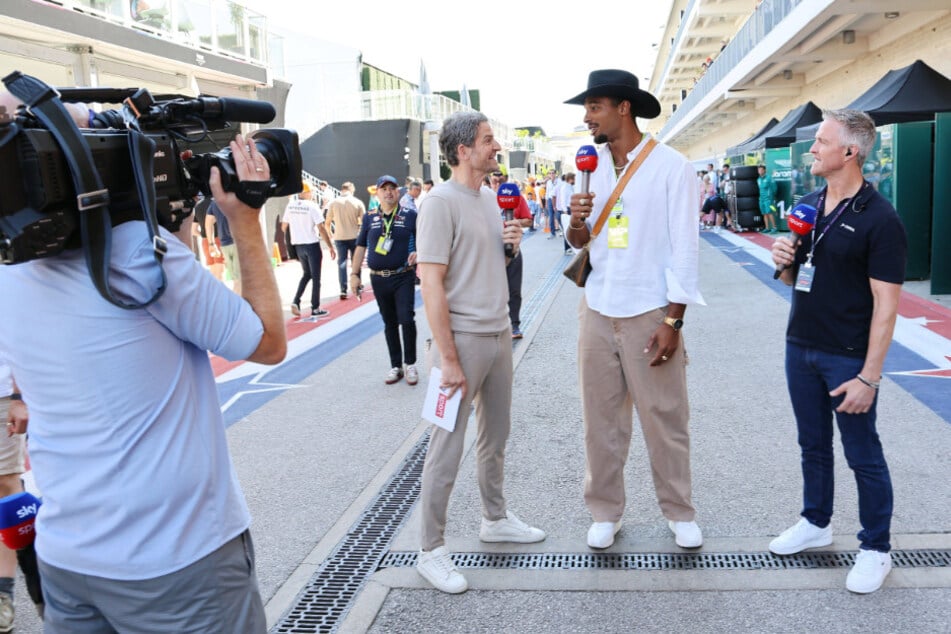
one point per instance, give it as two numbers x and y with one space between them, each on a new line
345 249
310 257
810 375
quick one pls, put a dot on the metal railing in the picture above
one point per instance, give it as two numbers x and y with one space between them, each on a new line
222 27
764 19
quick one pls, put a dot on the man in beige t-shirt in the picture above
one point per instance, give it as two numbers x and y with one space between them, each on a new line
343 223
461 261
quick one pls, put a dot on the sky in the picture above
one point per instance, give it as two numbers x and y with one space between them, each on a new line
526 58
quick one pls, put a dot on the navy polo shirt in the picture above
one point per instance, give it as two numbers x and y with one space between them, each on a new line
403 232
866 241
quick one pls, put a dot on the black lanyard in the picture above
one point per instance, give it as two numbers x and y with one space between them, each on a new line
839 210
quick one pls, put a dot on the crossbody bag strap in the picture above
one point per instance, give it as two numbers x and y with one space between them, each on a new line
606 210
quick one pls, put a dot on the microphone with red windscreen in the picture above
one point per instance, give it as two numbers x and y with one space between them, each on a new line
801 221
586 160
508 198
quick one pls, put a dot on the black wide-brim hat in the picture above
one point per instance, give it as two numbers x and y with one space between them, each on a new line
623 85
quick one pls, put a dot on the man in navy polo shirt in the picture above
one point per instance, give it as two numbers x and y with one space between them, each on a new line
388 239
848 274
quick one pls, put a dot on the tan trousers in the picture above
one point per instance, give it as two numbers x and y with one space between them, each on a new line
615 377
487 364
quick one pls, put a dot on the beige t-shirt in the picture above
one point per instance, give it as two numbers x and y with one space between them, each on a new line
462 228
346 214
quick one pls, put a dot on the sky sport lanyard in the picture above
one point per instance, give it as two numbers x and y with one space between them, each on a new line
825 229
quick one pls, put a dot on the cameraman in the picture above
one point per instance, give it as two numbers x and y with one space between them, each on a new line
143 526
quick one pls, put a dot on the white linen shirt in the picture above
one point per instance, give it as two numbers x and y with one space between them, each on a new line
660 264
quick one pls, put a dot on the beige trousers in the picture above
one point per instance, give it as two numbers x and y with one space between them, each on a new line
615 378
487 364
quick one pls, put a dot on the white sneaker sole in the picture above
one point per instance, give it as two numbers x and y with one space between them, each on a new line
816 543
512 539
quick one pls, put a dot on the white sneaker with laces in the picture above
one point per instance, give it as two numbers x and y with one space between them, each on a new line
510 529
869 572
686 534
601 534
394 375
802 535
437 568
412 375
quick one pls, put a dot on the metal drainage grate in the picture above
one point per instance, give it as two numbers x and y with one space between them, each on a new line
671 561
330 593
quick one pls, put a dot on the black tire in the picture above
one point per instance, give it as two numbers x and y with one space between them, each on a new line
744 173
746 189
749 219
747 203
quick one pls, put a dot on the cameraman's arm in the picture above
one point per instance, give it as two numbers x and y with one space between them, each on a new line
258 285
78 111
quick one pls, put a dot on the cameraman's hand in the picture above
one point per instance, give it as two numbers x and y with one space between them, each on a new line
249 166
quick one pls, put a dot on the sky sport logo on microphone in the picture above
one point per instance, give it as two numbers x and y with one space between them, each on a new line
586 160
802 219
508 196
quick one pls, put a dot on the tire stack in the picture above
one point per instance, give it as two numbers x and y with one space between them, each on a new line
743 201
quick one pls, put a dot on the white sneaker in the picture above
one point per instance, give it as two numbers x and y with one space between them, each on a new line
394 375
802 535
412 375
869 572
686 534
510 529
601 534
437 568
6 612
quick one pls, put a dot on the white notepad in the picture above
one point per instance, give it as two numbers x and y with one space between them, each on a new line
438 409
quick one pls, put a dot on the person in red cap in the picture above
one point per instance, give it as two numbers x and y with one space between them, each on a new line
644 273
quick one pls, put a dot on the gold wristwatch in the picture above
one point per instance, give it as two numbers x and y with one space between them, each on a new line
674 323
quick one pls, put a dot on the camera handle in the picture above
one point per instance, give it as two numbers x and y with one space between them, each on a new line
93 201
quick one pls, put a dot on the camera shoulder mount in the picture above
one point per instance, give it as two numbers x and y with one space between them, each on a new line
92 199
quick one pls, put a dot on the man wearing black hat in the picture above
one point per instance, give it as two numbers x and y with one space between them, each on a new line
644 273
388 237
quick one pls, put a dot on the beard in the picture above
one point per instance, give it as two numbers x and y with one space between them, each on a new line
600 138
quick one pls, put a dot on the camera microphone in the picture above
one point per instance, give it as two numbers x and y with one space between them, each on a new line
232 109
507 198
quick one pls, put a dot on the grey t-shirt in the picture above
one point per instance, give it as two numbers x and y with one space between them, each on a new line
462 228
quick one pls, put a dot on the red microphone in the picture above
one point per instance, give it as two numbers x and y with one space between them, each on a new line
801 220
508 199
586 160
17 514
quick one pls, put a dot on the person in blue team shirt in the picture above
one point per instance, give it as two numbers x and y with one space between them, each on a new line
388 240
